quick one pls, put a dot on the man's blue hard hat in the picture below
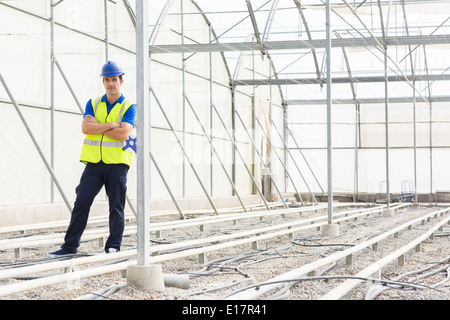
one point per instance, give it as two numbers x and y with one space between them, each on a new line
111 69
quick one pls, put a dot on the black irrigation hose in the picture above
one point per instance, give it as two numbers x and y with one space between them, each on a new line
24 263
296 242
31 277
327 278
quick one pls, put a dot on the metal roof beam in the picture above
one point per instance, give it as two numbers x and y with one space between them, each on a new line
298 102
300 44
353 79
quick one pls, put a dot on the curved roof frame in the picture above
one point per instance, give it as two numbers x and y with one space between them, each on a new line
370 37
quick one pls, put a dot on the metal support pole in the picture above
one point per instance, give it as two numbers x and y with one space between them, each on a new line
143 136
386 99
329 115
386 111
106 30
52 95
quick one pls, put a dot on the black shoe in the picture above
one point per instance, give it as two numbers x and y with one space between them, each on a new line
61 252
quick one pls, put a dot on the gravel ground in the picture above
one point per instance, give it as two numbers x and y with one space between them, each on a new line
218 278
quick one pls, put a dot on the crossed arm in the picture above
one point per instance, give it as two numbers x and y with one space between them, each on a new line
114 130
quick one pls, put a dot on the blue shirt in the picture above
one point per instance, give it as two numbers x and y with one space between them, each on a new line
129 116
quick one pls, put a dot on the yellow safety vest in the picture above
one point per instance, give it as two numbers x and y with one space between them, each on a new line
99 146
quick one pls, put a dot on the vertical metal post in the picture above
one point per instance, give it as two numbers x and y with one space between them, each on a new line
329 115
386 97
143 136
211 167
52 95
183 74
106 30
386 112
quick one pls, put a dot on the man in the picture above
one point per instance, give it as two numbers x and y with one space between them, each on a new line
108 122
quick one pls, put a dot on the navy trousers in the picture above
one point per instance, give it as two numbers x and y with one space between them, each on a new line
94 177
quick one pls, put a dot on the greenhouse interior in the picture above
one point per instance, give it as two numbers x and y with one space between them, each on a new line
245 109
240 107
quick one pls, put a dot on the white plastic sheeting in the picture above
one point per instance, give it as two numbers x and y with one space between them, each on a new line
178 82
419 148
79 49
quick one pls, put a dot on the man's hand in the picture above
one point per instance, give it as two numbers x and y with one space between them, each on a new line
89 119
90 125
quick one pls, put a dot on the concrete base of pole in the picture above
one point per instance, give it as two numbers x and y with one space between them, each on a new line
388 212
330 230
146 277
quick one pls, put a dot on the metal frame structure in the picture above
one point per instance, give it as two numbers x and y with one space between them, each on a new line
380 41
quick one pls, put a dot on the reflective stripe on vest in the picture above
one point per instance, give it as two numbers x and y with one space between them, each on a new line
100 147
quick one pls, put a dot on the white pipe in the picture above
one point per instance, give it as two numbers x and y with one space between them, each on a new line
76 275
306 269
348 285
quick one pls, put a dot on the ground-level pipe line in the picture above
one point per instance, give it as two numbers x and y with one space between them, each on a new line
205 134
55 240
184 151
36 144
193 222
313 198
90 235
104 219
338 277
201 241
101 219
8 273
77 275
95 271
97 219
232 216
311 267
241 157
97 234
279 158
375 290
53 224
348 285
276 231
260 157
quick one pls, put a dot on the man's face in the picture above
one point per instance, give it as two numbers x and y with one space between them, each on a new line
112 85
